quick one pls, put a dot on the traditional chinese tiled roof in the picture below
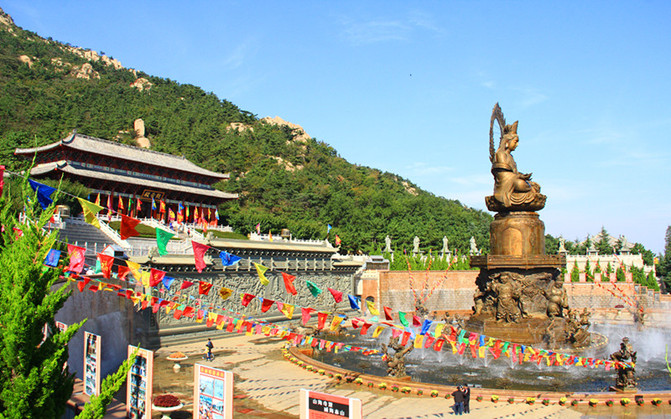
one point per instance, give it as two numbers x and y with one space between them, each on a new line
114 149
65 167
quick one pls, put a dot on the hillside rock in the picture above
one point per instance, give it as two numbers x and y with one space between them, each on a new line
298 131
86 71
141 84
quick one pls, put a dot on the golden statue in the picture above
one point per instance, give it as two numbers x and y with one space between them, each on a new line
513 191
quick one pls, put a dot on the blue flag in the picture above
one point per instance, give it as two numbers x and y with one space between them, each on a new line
44 193
228 259
167 281
354 302
52 258
426 326
153 204
328 228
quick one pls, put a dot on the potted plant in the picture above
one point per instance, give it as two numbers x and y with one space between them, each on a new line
593 402
420 392
448 396
338 377
394 388
562 401
434 393
479 398
321 372
495 398
624 401
511 400
609 402
531 400
656 401
574 402
545 402
370 384
382 386
640 401
405 390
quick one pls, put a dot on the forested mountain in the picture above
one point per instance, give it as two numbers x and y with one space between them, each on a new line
284 181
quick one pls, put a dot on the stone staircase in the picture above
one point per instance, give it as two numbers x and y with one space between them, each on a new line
84 235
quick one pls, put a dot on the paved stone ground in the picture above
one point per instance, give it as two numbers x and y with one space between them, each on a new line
267 385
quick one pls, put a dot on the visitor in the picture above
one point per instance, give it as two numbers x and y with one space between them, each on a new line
209 346
458 396
467 398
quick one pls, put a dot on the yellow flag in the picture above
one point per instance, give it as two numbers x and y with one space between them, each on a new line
224 293
419 341
336 322
90 211
371 308
377 331
101 285
221 324
481 351
287 309
135 270
261 270
146 276
238 325
439 330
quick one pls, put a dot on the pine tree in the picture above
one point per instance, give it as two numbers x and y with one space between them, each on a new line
34 383
575 273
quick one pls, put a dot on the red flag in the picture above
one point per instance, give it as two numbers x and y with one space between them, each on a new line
186 284
109 202
138 207
199 251
162 207
155 277
337 240
120 207
305 314
266 304
204 287
429 342
321 320
128 227
76 254
337 295
406 336
416 321
122 272
365 327
289 283
106 263
387 313
246 298
82 284
438 345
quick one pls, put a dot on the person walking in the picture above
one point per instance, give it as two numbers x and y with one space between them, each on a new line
209 347
467 398
458 396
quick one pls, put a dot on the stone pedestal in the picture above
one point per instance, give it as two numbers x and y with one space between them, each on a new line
517 234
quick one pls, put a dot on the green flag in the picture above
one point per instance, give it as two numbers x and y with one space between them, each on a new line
401 317
314 289
162 238
90 211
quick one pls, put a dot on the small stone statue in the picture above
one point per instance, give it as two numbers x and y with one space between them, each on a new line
474 248
444 250
626 375
415 245
396 361
387 245
562 245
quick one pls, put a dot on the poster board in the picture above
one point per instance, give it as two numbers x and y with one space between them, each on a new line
212 393
139 384
316 405
92 351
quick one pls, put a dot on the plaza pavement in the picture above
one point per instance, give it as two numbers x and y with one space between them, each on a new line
271 385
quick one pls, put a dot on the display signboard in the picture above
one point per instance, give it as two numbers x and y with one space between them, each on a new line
139 384
213 393
92 351
316 405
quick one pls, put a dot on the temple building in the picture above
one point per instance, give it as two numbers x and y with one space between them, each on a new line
121 175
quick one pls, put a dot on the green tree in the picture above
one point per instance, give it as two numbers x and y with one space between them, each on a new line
575 273
97 405
589 275
34 381
603 245
664 266
619 274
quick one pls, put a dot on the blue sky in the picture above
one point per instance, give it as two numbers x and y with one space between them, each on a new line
408 87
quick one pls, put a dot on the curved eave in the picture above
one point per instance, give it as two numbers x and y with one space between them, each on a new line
274 246
63 166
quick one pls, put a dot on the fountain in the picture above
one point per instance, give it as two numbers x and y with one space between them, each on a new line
520 298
